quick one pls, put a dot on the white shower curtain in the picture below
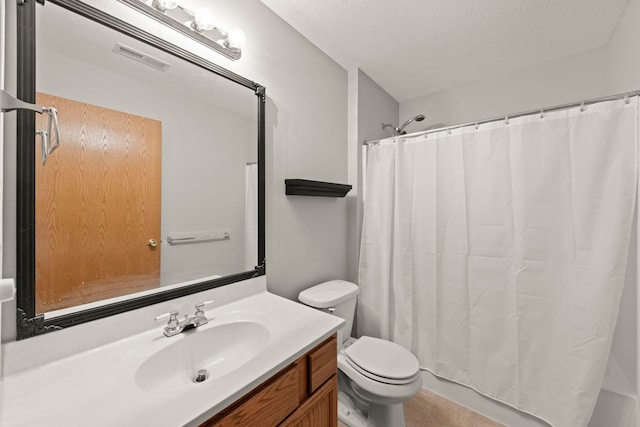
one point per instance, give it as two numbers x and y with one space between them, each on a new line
251 216
497 255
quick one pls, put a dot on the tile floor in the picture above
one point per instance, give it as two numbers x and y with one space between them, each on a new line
428 409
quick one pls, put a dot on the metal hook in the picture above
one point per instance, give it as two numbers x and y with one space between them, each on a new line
583 107
626 98
53 129
542 114
44 145
477 126
506 120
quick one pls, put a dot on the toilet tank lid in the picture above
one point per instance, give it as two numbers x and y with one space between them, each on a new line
328 294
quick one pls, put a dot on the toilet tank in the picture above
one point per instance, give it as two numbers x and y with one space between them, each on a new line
337 297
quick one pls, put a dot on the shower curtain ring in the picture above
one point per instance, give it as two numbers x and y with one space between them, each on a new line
626 98
477 126
583 108
542 114
506 120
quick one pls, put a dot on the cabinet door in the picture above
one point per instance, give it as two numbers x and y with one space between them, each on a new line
265 407
320 410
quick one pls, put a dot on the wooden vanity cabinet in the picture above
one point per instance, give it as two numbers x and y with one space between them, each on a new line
304 394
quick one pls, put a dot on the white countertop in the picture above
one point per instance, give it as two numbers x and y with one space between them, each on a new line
98 388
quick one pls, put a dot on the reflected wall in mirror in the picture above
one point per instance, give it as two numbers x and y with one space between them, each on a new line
156 187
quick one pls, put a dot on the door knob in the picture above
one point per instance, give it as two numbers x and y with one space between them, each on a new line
152 243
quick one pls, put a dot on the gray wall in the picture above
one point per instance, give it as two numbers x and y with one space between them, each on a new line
306 138
375 106
623 52
562 81
369 106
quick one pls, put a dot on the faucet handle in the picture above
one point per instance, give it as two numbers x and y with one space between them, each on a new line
171 315
199 307
200 318
173 319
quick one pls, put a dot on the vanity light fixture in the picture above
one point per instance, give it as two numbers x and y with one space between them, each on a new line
202 20
164 5
198 24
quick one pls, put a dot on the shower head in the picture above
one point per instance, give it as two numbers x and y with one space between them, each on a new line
418 118
400 129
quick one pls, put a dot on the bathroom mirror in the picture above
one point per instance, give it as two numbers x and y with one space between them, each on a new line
157 188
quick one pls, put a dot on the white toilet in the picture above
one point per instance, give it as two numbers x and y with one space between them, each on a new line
376 375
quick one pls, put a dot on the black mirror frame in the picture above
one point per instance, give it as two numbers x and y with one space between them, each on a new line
28 323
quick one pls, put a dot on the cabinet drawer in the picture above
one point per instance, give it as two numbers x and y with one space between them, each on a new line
323 363
266 407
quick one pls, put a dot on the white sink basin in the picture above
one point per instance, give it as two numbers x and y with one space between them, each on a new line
219 349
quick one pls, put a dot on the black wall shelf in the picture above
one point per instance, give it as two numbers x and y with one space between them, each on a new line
305 187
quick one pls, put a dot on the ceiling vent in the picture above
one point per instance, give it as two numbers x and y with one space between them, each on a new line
136 55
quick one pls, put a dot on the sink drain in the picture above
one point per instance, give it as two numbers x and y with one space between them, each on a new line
201 376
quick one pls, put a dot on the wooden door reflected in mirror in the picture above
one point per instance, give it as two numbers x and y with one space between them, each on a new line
97 206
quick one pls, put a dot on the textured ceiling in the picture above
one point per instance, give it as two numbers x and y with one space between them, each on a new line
415 47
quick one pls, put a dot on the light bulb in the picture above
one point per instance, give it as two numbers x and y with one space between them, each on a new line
163 5
236 39
203 19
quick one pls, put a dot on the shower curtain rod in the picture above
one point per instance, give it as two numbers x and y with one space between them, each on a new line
513 116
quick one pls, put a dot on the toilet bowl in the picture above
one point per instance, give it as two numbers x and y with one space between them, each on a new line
377 376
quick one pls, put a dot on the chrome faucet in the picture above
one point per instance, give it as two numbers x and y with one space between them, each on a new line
175 326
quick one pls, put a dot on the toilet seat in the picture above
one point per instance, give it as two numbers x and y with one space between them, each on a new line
372 390
378 378
382 361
